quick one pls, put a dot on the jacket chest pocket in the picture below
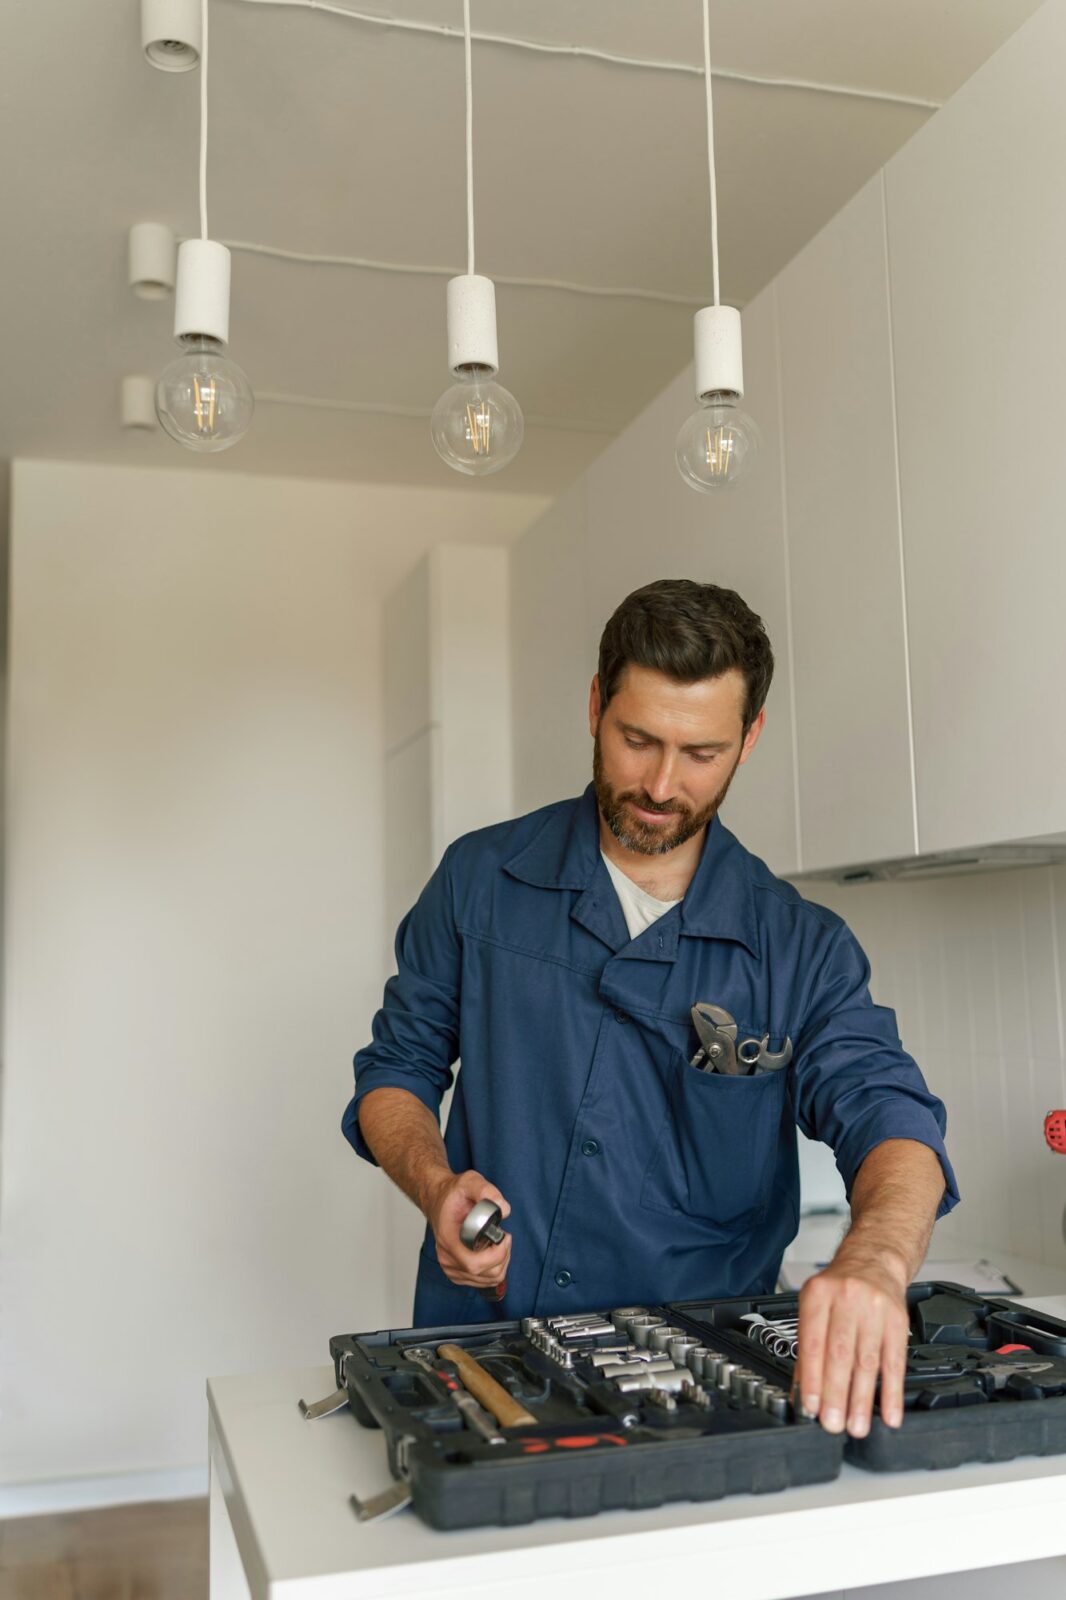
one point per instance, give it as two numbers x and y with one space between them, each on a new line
717 1148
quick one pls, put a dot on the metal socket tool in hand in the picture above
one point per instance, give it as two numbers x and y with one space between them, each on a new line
480 1229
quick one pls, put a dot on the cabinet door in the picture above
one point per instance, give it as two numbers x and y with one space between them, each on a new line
644 522
853 743
977 252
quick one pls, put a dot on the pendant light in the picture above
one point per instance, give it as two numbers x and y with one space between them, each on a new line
476 425
203 399
719 442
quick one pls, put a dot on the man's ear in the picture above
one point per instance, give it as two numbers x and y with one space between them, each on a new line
594 706
751 738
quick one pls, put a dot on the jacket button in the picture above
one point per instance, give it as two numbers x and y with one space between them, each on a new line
620 1016
590 1148
563 1279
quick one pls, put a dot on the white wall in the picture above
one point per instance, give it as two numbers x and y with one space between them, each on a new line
447 763
193 939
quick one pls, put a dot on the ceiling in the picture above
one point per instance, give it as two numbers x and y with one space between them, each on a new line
336 136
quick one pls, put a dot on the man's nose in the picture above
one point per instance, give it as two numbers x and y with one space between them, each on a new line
661 780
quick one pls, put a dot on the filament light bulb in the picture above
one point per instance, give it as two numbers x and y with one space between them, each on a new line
203 399
718 444
477 424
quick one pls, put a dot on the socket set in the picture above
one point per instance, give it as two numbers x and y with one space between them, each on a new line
502 1423
985 1378
608 1411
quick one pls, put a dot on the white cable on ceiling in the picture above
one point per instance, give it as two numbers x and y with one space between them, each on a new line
710 145
369 264
377 408
203 120
611 58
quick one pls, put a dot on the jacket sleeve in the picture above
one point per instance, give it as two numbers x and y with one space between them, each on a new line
855 1084
416 1033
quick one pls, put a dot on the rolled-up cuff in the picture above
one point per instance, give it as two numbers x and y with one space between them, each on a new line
383 1078
902 1123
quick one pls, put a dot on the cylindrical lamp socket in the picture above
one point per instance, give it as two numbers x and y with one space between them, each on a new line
201 301
152 257
719 359
171 34
137 402
472 323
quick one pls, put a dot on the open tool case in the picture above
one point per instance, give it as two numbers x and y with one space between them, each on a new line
594 1447
714 1420
986 1378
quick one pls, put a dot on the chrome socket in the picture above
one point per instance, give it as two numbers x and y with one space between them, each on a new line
628 1369
680 1347
640 1329
660 1336
623 1314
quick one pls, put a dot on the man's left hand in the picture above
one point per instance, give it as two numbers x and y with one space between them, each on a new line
853 1328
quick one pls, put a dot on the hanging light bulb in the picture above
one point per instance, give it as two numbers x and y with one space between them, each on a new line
203 399
719 442
477 424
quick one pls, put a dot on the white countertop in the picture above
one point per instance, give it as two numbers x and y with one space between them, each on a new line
287 1481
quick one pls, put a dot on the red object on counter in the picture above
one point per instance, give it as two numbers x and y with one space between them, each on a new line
1055 1131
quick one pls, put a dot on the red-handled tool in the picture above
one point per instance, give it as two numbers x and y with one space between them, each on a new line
1055 1131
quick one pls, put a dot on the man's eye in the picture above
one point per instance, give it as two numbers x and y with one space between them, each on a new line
703 759
636 744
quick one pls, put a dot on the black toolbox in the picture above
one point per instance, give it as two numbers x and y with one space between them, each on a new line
696 1407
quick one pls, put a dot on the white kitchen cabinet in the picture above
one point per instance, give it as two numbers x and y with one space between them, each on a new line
977 251
853 746
643 522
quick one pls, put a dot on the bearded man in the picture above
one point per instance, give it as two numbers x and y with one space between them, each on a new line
560 956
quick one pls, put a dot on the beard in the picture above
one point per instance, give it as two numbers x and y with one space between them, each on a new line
645 837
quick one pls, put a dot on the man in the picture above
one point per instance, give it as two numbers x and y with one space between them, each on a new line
560 954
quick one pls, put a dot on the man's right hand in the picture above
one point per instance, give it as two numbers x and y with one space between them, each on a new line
452 1200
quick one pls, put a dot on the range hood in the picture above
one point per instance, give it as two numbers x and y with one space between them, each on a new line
945 863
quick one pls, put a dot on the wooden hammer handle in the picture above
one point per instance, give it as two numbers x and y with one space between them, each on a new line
492 1395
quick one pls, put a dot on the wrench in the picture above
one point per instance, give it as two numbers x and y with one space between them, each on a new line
717 1032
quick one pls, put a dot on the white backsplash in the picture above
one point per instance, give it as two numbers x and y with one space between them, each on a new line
975 969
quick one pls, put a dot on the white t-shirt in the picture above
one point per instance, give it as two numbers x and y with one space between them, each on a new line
639 908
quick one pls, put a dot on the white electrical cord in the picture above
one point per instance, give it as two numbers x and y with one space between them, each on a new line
378 408
710 144
369 264
469 139
611 58
203 120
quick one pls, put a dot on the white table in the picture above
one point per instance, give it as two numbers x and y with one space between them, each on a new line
282 1525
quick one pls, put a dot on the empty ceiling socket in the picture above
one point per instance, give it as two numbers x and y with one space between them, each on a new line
153 254
170 34
138 402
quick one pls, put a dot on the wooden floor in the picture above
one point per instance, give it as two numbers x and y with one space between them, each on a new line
149 1552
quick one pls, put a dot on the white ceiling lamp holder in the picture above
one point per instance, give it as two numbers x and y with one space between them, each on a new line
472 342
203 399
718 443
137 403
172 34
476 425
152 259
201 304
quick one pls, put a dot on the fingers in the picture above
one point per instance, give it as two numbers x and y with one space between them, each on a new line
893 1369
840 1347
475 1269
814 1305
851 1334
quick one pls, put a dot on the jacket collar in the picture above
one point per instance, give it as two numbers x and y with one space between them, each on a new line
718 904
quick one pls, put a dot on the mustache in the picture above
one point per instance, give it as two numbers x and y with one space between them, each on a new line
650 805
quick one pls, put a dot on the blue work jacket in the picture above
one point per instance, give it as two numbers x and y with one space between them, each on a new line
633 1177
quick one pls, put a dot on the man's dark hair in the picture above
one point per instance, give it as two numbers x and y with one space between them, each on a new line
688 631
